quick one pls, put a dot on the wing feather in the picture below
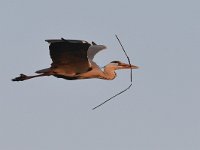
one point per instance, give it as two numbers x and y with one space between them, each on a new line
94 49
70 55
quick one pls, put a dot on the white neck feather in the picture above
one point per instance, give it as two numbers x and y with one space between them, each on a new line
109 73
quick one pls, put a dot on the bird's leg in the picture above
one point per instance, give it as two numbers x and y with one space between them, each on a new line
23 77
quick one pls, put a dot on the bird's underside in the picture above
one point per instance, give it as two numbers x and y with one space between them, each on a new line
62 72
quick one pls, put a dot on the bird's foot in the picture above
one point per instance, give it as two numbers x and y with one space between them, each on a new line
22 77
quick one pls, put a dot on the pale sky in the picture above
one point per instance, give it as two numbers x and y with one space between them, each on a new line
160 111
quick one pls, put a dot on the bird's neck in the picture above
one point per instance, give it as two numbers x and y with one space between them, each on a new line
108 74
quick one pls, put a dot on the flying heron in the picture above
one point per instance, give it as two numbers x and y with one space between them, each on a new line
73 59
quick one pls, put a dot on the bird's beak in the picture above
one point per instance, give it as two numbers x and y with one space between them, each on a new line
128 66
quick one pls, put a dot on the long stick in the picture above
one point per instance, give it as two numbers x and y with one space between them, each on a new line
131 70
131 78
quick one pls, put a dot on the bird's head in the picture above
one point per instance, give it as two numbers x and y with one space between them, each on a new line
120 65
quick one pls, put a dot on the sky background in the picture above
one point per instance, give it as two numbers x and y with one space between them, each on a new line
160 111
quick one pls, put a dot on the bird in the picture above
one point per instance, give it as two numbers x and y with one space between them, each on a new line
73 59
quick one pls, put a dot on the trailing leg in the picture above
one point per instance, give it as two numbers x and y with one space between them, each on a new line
23 77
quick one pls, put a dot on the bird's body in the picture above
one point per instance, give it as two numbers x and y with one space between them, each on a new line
73 59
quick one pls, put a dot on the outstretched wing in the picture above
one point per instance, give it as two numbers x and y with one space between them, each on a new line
94 49
70 55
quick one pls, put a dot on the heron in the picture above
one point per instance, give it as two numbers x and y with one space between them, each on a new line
73 59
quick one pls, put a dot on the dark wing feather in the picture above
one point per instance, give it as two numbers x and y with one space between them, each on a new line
70 55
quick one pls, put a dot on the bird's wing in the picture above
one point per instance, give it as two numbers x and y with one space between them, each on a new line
70 55
93 50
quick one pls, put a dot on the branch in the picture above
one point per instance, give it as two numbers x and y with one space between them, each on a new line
131 78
